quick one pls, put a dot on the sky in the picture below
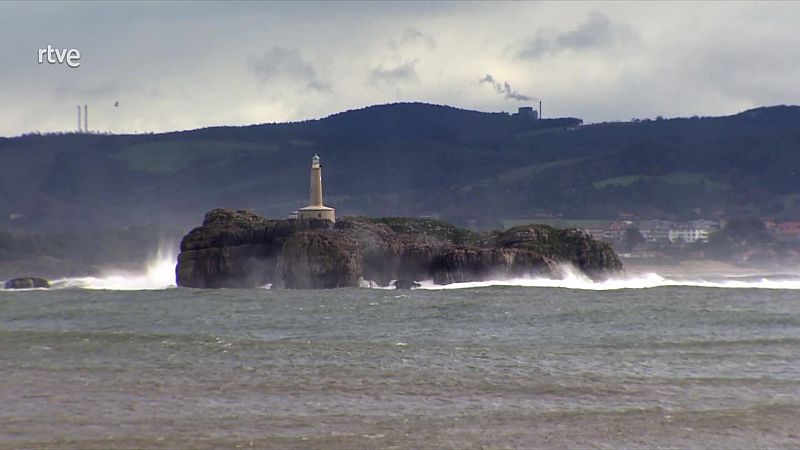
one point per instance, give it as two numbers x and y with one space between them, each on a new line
175 66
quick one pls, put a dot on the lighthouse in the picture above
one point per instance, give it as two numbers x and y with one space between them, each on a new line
315 209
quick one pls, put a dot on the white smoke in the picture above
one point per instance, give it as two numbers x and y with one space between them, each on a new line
505 89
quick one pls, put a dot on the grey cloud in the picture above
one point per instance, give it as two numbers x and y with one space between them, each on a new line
504 89
282 63
597 32
737 70
733 56
104 90
412 35
402 73
91 91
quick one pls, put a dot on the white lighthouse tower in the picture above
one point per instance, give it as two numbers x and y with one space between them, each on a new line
315 209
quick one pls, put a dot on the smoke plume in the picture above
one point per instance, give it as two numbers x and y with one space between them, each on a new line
505 89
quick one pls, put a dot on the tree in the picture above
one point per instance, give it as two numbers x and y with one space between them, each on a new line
747 231
633 236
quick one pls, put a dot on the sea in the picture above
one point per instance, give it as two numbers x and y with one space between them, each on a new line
127 360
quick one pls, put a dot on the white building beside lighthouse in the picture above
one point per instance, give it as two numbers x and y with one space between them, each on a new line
315 209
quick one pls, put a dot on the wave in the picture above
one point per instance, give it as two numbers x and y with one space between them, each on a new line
574 279
158 272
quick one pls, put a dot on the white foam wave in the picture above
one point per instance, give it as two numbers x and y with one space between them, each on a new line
574 279
157 273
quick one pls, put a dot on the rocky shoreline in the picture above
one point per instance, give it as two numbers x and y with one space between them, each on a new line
239 249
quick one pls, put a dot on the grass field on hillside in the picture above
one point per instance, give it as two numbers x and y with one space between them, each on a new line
169 157
555 223
675 179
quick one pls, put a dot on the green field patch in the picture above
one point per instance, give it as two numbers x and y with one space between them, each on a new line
541 132
556 223
301 143
675 179
790 201
519 174
525 172
170 157
624 180
20 165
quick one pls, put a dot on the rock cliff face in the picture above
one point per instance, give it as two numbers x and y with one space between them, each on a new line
238 249
27 283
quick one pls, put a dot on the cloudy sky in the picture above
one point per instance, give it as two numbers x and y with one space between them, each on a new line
186 65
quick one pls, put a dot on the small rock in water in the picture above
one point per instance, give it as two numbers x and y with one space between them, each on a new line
27 283
406 284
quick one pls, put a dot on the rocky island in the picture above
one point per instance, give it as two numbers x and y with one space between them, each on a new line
313 250
239 249
27 283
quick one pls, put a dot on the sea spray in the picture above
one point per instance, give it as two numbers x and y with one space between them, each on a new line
573 278
158 272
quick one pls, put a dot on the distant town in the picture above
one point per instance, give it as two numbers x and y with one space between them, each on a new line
754 240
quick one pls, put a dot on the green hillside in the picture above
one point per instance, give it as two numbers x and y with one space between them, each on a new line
411 159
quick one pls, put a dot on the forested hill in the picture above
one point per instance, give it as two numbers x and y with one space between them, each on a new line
411 159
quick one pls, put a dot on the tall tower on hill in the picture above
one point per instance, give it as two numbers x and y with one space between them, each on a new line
315 209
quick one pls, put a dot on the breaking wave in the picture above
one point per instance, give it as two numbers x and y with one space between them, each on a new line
158 272
574 279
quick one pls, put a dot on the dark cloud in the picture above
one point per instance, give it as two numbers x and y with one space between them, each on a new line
597 32
412 36
504 89
402 73
286 65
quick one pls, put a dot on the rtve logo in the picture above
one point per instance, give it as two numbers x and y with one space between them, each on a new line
55 56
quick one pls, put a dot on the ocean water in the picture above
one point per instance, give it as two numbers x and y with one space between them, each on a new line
640 362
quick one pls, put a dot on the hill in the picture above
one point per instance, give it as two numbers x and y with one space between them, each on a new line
410 159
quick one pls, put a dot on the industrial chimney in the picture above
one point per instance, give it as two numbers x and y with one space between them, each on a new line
79 118
85 119
540 109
